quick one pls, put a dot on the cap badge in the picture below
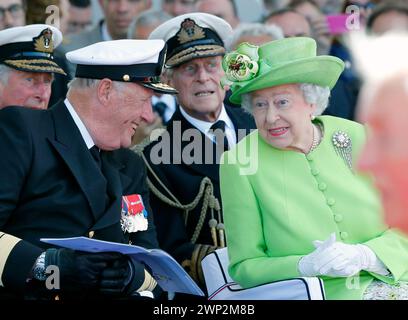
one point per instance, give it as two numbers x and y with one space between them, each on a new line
43 42
190 31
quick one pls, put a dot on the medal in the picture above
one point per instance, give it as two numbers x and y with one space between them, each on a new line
134 214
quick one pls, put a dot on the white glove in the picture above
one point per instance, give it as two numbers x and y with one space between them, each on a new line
315 263
337 259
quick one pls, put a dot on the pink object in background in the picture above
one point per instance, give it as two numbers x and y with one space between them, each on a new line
337 23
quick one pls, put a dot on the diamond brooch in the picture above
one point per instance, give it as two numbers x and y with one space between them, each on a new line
343 146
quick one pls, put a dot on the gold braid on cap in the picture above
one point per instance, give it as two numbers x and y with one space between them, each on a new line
50 66
195 52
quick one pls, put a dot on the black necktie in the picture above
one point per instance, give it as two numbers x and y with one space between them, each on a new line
96 155
220 137
160 108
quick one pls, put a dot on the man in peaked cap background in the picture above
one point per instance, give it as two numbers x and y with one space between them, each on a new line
27 65
62 176
118 15
196 44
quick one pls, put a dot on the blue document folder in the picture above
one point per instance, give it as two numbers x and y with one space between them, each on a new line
168 273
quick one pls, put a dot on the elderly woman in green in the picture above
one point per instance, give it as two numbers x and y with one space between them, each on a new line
304 211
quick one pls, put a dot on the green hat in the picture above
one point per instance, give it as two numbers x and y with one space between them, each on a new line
289 60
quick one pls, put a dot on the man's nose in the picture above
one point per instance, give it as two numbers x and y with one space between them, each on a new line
43 91
202 74
8 19
147 114
123 6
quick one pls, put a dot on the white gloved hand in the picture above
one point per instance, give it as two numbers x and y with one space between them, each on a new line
337 259
308 265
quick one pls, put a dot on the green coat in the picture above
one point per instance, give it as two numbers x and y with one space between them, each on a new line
272 216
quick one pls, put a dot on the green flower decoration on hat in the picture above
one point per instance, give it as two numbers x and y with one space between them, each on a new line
285 61
240 65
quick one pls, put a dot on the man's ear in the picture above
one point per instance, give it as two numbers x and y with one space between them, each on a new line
105 91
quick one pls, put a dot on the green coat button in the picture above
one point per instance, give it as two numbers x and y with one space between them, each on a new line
331 201
322 186
344 235
338 218
315 171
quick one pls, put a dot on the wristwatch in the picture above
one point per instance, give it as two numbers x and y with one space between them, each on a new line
39 268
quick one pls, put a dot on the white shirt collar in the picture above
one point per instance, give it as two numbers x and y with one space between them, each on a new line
170 101
205 126
105 33
84 132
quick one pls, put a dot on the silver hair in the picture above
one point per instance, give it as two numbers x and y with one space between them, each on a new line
255 30
312 93
84 83
4 73
168 73
317 95
147 18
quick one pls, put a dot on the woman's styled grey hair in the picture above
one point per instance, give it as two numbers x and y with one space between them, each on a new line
254 30
312 93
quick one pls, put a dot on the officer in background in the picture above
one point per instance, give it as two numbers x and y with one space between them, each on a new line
62 175
27 65
185 195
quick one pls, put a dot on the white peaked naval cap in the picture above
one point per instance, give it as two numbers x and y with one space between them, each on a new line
30 48
193 35
123 60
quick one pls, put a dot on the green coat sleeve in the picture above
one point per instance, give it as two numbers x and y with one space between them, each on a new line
249 264
392 249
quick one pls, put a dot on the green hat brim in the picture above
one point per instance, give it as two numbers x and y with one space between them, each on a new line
320 70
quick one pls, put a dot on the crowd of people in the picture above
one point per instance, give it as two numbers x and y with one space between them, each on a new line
188 129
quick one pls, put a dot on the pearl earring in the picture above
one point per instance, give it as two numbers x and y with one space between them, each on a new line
312 117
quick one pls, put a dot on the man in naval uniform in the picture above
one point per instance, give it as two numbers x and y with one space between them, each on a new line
65 172
185 195
27 65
